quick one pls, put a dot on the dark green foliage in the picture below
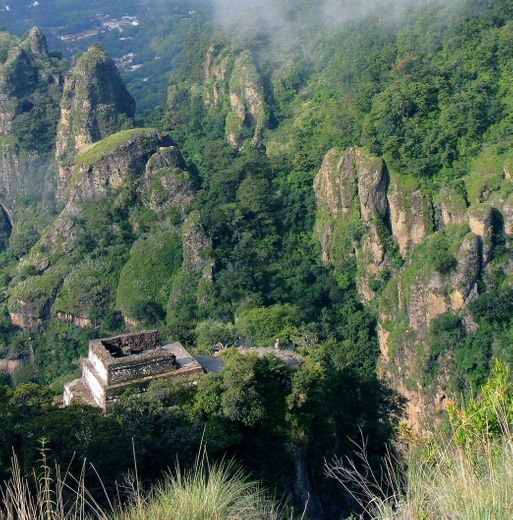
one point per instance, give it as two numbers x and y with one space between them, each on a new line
494 307
443 261
148 312
473 359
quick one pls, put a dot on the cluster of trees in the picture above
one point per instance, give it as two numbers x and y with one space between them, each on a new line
272 418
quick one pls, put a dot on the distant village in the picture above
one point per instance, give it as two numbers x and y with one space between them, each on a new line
105 23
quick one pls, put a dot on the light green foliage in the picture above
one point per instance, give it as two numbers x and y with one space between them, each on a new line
89 287
263 326
211 333
148 274
109 144
36 292
486 178
488 418
209 491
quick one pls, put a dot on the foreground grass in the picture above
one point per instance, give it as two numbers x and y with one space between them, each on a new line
213 492
451 487
466 474
206 492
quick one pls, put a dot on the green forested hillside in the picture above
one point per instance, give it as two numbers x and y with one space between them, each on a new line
341 189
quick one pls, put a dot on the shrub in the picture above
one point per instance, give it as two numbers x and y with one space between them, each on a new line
263 325
148 312
210 333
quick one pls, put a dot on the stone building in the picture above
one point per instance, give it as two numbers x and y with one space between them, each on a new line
116 364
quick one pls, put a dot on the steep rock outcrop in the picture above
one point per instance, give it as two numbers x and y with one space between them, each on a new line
166 184
350 190
27 76
95 104
481 223
453 207
218 63
411 214
411 302
369 220
248 113
507 215
102 174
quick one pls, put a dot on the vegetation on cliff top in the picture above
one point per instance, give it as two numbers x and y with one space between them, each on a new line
109 144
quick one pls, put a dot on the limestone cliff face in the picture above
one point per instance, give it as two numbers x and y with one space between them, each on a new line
410 215
104 174
218 64
95 104
233 88
416 254
101 179
166 184
351 189
248 114
27 76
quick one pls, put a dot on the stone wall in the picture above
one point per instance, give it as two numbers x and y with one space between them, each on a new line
140 367
129 344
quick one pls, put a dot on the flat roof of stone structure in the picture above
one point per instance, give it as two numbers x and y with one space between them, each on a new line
118 350
183 357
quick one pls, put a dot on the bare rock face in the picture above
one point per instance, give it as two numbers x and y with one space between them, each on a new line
95 104
410 216
166 184
453 207
481 223
470 265
372 186
217 65
336 183
351 188
248 111
507 215
480 220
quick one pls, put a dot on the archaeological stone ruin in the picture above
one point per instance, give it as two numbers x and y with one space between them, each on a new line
129 361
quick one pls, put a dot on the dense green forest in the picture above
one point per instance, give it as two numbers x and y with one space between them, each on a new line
258 230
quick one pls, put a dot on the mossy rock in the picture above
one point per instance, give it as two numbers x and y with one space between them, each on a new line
90 285
110 144
149 271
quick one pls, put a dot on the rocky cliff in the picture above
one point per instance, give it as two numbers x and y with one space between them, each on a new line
353 211
126 227
30 89
95 104
419 257
232 93
247 116
103 175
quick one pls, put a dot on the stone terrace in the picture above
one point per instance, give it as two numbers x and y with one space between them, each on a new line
128 361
